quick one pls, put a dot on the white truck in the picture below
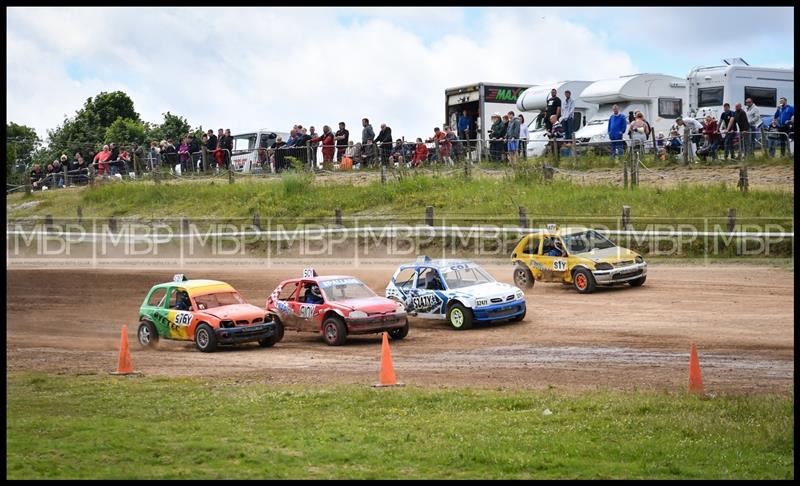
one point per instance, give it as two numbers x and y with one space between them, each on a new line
244 157
660 97
533 103
480 100
708 87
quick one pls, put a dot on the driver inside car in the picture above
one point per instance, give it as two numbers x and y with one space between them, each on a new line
182 301
313 295
557 250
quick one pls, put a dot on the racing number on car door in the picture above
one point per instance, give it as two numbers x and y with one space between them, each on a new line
179 324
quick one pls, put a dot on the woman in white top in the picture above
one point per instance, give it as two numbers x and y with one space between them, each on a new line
523 137
640 132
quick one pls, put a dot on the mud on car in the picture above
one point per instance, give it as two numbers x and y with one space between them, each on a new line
456 290
335 306
207 312
578 256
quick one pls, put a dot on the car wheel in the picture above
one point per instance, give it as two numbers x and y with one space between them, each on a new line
334 331
148 336
520 317
275 338
399 333
205 339
523 278
459 317
583 281
638 281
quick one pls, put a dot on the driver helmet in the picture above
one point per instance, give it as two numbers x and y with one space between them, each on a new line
558 244
316 292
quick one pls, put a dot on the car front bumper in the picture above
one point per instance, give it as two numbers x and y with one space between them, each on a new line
244 334
506 310
622 274
379 323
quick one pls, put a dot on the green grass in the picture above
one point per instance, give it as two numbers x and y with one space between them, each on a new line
108 427
299 198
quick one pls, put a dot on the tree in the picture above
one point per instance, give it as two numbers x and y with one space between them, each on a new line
174 127
125 132
87 129
21 144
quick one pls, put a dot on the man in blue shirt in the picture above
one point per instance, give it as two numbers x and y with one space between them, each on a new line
728 134
617 124
464 125
783 114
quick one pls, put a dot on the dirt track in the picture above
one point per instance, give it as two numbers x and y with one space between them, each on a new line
741 317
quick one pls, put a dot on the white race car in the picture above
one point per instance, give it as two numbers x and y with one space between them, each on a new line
457 290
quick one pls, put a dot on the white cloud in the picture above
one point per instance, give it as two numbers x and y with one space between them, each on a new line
249 68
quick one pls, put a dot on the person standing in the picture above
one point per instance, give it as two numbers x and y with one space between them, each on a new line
617 123
342 141
567 114
496 134
512 137
754 119
523 137
227 147
384 143
727 136
312 132
366 133
741 122
553 108
328 146
464 125
783 114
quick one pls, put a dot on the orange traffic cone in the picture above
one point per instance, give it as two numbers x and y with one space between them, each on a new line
386 376
124 366
695 378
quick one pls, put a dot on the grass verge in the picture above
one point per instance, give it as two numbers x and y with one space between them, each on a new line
104 427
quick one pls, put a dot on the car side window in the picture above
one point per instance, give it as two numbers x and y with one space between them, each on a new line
429 279
157 297
549 244
288 292
405 279
532 245
172 298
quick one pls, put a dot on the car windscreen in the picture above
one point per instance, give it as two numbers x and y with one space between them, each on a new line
460 276
345 289
587 241
218 299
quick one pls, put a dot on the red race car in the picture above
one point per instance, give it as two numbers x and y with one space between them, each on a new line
335 306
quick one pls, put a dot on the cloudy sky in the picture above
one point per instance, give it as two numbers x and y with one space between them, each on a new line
247 68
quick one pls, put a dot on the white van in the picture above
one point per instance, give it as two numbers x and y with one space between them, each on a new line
244 156
660 97
533 103
711 86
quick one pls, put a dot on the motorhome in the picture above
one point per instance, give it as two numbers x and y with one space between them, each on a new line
533 103
711 86
244 156
480 100
660 97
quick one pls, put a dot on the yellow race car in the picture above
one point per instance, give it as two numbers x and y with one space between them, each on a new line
578 256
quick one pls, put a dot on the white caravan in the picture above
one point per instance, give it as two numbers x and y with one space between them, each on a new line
533 103
661 98
246 145
711 86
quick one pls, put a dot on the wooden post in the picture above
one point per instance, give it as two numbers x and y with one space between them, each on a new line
731 219
655 147
548 172
574 151
556 155
92 175
66 176
687 145
80 215
257 221
523 219
467 168
743 183
230 173
480 148
157 173
27 185
429 215
204 155
112 224
626 217
383 173
135 163
338 217
48 221
184 225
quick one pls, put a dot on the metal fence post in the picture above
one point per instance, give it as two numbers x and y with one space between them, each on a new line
655 146
743 183
230 174
383 173
625 162
480 149
66 176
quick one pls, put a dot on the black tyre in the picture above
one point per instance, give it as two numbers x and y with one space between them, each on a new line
275 338
459 316
584 281
638 281
147 334
523 278
520 317
399 332
205 339
334 331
